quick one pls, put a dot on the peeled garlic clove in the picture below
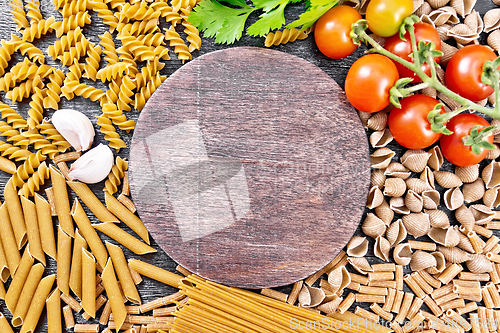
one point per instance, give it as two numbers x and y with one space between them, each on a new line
75 127
93 166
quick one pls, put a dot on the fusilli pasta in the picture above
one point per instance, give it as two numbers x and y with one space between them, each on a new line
116 175
81 89
13 135
38 28
12 152
79 19
104 13
145 93
54 90
110 135
25 89
12 117
53 136
285 36
112 71
35 113
178 44
111 112
28 168
125 94
33 183
109 48
41 144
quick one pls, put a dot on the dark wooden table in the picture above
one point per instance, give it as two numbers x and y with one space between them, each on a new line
306 49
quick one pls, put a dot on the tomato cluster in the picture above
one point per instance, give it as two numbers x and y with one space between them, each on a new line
371 77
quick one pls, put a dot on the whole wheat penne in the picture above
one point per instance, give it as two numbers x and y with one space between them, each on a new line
15 213
62 202
63 260
414 286
366 314
86 328
9 243
75 276
37 304
127 202
399 277
4 268
125 184
389 300
431 304
121 236
133 309
386 267
414 308
378 276
274 294
127 217
359 278
182 270
480 230
123 273
114 294
424 246
346 303
477 243
88 232
69 319
493 225
155 273
405 307
444 290
474 320
496 315
106 312
449 273
473 276
92 202
53 304
353 286
45 226
495 249
469 307
294 294
398 299
383 284
138 279
432 281
381 312
470 284
483 319
493 257
427 288
471 297
490 243
4 325
456 303
29 288
446 298
88 282
31 221
458 319
373 290
159 302
18 280
396 327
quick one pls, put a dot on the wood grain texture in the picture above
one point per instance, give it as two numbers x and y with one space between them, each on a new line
291 158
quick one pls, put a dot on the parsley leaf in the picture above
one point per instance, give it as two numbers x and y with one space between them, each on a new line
314 11
268 21
232 29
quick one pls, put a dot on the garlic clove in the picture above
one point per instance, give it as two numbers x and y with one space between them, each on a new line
93 166
75 127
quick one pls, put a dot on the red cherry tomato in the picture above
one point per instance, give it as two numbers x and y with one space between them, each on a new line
463 72
452 146
332 32
386 16
368 82
409 125
423 32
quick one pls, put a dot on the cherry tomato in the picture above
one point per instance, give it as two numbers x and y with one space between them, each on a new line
463 72
451 145
423 32
332 32
386 16
368 82
409 125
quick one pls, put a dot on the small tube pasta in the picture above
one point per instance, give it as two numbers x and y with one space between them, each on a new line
121 236
10 246
53 303
123 273
89 233
29 288
18 280
69 319
45 226
62 202
113 290
75 277
155 273
88 282
30 218
15 213
126 216
37 304
92 202
63 260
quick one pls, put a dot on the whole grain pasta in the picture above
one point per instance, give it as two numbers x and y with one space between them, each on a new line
37 304
27 293
62 202
18 280
114 294
63 260
112 230
88 282
45 226
75 275
34 240
53 304
123 273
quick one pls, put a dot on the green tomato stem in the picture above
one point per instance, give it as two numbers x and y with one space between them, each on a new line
432 64
414 47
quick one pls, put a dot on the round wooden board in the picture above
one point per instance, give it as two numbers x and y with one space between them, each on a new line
250 168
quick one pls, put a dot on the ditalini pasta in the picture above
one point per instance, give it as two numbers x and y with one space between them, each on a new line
37 304
89 233
124 238
63 260
92 202
45 226
29 288
62 202
12 254
155 273
15 213
75 277
18 280
123 273
34 241
115 296
88 282
53 303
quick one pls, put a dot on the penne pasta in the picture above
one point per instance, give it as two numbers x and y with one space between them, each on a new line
29 288
136 276
15 213
380 276
4 325
69 319
432 281
125 184
124 238
75 276
126 216
92 202
34 241
155 273
18 280
37 304
4 267
64 170
427 288
405 307
45 226
52 201
61 200
274 294
398 299
389 301
9 243
2 291
469 307
366 314
114 294
53 304
367 298
88 282
63 260
123 273
89 233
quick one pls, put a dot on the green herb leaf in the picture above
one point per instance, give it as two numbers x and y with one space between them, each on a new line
232 29
271 20
316 9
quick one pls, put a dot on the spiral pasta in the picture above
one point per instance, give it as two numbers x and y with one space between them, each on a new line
116 116
28 168
115 3
75 72
139 11
145 93
116 175
54 90
53 136
112 71
178 44
152 39
33 52
79 19
139 27
13 135
193 36
33 183
12 152
7 82
73 7
34 13
75 52
178 5
38 28
285 36
81 89
92 62
125 94
35 113
12 117
19 15
27 70
162 7
40 143
64 43
139 50
113 91
110 135
104 13
109 48
25 89
6 51
148 72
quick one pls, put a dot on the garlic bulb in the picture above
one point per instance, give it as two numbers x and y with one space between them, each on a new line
75 127
93 166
